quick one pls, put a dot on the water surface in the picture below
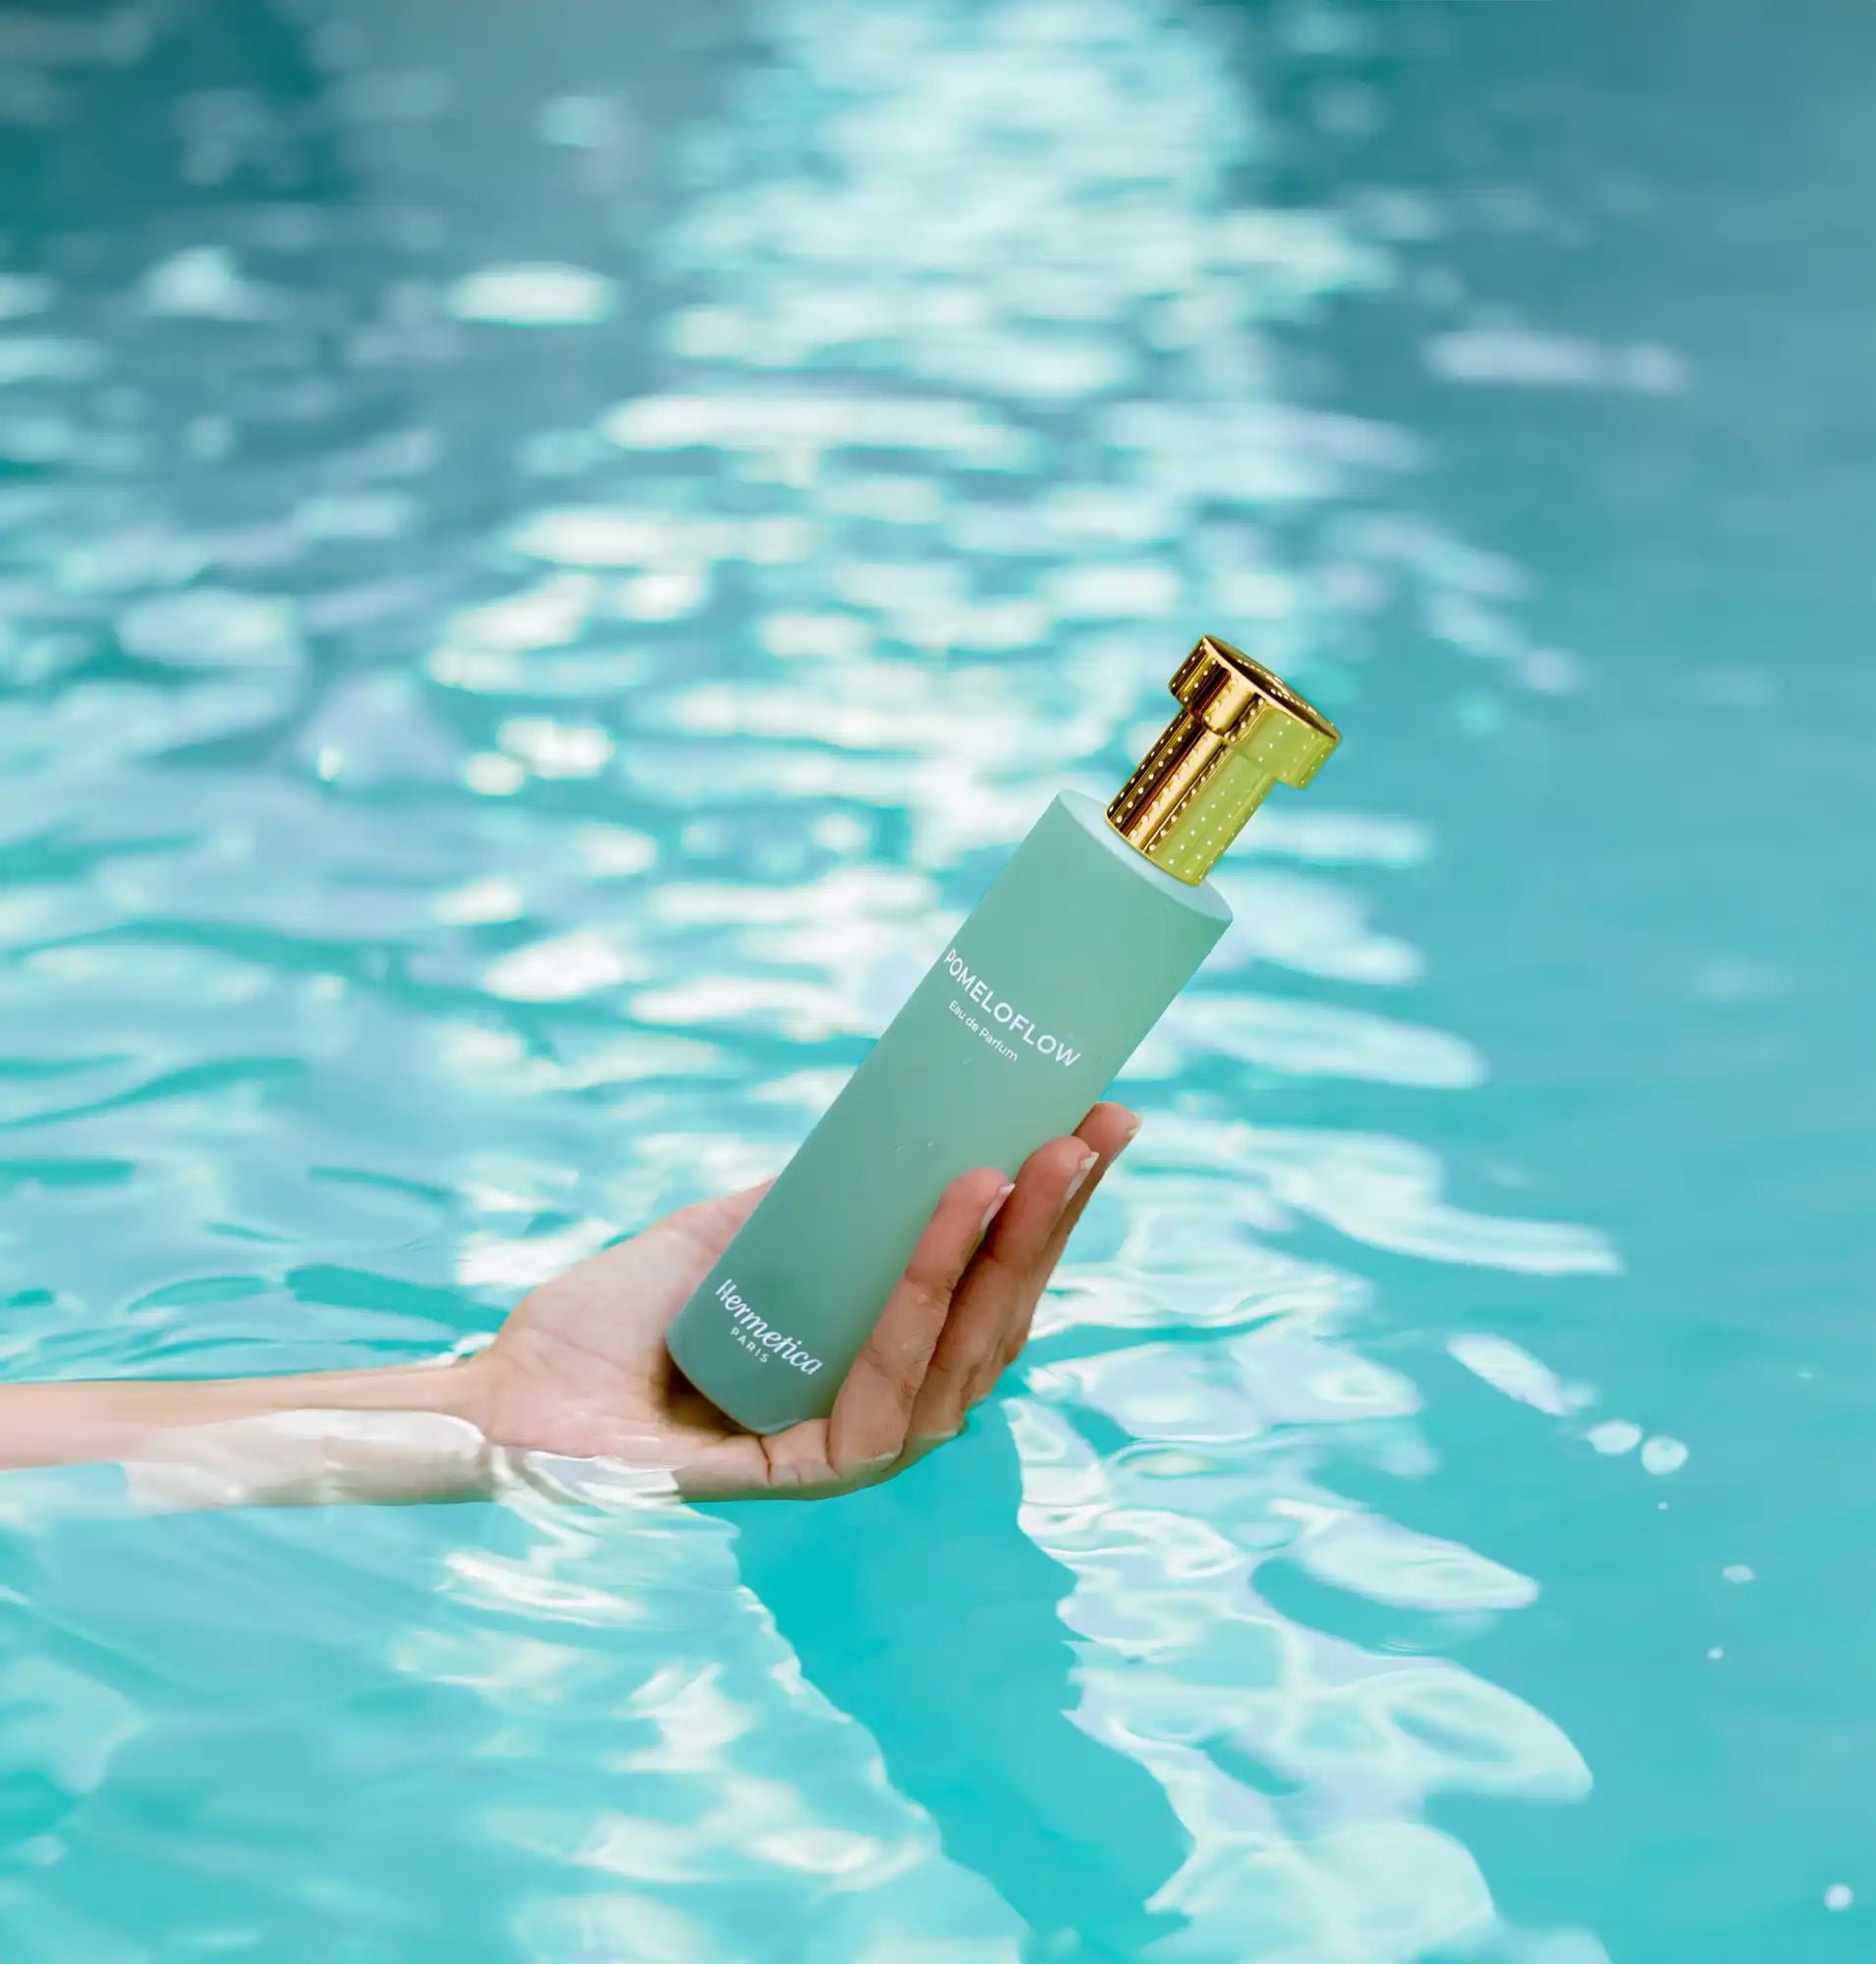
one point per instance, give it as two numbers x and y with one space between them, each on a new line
545 554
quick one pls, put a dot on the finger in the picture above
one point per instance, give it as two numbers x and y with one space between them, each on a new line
990 1293
870 1416
1109 1130
735 1466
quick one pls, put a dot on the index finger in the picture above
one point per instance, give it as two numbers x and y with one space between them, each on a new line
871 1414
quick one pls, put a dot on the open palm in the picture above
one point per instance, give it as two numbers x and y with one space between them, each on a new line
580 1368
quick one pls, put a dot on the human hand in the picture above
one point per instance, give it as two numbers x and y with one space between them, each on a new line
580 1368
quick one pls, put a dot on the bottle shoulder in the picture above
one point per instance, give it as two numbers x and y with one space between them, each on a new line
1090 820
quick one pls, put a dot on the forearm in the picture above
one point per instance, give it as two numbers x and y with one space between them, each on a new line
406 1432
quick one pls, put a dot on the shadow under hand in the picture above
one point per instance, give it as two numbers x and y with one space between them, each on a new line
922 1610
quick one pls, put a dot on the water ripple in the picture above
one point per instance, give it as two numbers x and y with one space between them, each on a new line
533 589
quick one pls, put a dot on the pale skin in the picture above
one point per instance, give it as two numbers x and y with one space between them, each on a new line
578 1370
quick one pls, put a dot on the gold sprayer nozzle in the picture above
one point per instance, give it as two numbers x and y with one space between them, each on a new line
1239 730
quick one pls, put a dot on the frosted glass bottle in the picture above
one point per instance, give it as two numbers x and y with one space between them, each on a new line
1094 924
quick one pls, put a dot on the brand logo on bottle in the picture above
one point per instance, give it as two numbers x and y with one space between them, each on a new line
756 1334
1002 1015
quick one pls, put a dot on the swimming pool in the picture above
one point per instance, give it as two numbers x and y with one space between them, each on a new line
467 479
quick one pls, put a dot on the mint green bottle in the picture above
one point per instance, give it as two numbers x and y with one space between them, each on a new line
1095 923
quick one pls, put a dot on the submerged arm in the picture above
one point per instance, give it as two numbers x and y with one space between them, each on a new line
412 1432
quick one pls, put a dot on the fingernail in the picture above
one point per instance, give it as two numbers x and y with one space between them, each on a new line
1080 1177
990 1212
1132 1132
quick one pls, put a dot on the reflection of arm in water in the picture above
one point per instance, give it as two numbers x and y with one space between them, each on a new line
580 1371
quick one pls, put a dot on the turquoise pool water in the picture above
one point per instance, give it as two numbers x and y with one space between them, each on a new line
545 553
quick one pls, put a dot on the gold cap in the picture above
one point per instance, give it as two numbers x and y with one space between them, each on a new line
1239 730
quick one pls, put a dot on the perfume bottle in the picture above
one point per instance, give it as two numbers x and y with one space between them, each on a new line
1094 924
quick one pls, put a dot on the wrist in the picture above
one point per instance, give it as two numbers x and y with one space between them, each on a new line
467 1388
